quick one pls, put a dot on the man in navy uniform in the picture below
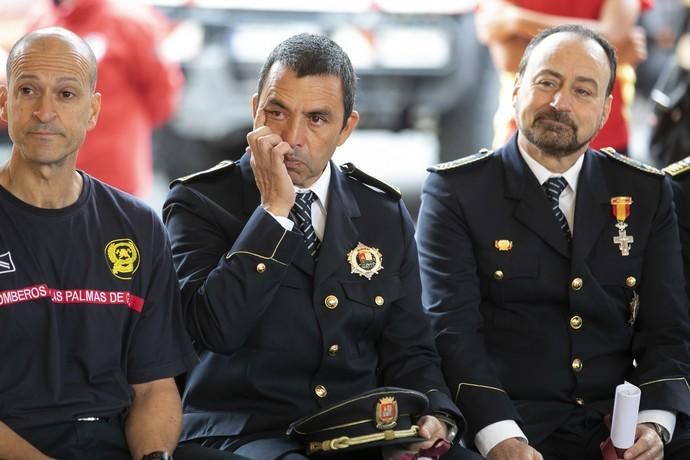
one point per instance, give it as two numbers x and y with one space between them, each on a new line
300 280
552 273
680 172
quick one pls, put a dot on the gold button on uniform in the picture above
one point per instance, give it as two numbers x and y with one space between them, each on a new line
320 391
331 302
576 364
333 349
580 401
498 274
260 267
576 284
378 300
576 322
630 281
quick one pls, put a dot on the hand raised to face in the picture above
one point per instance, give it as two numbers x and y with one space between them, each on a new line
268 151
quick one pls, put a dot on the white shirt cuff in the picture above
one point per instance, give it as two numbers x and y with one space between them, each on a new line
286 223
488 437
666 419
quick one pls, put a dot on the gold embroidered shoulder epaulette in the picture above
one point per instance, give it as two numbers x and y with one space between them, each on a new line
225 165
611 153
351 170
679 168
483 154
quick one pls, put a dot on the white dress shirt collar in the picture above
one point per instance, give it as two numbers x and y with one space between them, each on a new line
320 187
542 174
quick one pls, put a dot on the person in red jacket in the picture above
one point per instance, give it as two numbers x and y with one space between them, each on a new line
506 26
140 88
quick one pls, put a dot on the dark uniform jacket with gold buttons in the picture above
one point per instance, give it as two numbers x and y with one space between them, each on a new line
680 172
529 328
280 335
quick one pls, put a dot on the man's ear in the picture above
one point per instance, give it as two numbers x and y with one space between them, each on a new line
350 125
255 104
607 110
3 102
95 110
516 88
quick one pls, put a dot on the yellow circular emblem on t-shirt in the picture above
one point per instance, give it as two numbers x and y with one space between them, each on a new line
123 258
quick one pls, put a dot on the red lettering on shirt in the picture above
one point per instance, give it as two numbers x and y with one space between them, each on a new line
71 296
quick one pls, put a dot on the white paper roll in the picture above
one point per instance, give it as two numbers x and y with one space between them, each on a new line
624 419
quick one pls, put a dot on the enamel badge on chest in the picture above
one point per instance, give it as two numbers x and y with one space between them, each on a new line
620 207
365 261
503 245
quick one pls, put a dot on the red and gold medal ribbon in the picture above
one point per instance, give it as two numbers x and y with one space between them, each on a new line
620 207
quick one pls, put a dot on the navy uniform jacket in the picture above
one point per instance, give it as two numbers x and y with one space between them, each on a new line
530 330
275 343
680 172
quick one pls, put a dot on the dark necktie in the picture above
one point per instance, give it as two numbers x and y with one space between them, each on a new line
302 216
553 188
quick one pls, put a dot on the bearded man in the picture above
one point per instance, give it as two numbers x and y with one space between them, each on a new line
553 273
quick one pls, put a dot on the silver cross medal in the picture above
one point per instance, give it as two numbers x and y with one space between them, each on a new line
623 240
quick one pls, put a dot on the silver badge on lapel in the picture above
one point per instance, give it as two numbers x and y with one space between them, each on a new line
365 261
634 308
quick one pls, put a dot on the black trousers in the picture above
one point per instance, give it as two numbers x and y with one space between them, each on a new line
102 440
98 440
579 439
276 448
199 452
254 448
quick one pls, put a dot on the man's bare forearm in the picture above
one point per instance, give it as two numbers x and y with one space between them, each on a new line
155 418
14 447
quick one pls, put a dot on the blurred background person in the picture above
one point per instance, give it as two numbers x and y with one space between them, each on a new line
12 25
13 18
507 26
140 87
670 121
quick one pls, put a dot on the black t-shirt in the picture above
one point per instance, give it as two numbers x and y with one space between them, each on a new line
89 304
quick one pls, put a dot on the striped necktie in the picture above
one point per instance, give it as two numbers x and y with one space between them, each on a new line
302 217
553 188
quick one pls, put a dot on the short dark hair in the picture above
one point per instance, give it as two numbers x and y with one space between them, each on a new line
583 32
311 54
66 36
